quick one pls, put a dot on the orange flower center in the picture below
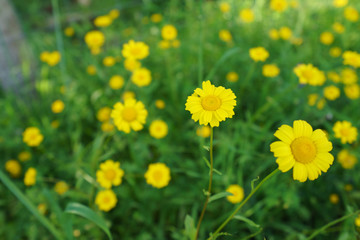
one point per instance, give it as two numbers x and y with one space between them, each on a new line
129 114
110 174
211 103
303 149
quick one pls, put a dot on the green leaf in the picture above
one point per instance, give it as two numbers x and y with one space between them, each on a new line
218 196
209 166
81 210
247 220
190 230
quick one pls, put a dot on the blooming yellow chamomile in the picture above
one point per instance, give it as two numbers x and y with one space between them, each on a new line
109 61
130 115
211 105
103 114
278 5
110 174
338 27
351 14
103 21
131 64
42 208
135 50
61 187
24 156
13 167
94 39
51 58
160 104
232 77
285 33
224 7
348 76
346 159
141 77
114 13
57 106
326 38
335 52
352 91
168 32
274 34
203 131
157 175
225 35
158 129
116 82
91 70
30 177
270 70
304 150
351 58
32 136
340 3
357 221
331 92
237 193
345 131
106 200
308 74
156 17
258 54
247 15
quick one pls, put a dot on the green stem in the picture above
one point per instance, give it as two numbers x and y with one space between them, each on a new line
200 53
210 183
320 230
245 201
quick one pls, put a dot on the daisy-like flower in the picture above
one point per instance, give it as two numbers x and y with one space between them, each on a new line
110 174
135 50
158 175
258 54
130 115
94 39
237 193
211 105
346 159
13 167
141 77
345 131
168 32
30 177
32 136
351 58
304 150
158 129
308 74
106 200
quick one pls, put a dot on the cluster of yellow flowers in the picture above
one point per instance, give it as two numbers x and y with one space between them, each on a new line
51 58
260 54
169 34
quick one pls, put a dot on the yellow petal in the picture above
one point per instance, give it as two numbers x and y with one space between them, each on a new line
300 172
286 163
285 133
302 128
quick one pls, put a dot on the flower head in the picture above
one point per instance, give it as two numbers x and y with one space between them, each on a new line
345 131
135 50
168 32
274 34
340 3
158 129
141 77
114 13
348 76
270 70
224 7
13 167
351 58
352 91
158 175
106 200
91 70
247 15
304 150
335 52
203 131
326 38
278 5
103 114
225 35
338 27
237 193
110 174
94 39
57 106
232 77
308 74
24 156
351 14
61 187
160 104
156 17
30 177
103 21
116 82
32 136
211 105
346 159
131 64
331 92
285 33
258 54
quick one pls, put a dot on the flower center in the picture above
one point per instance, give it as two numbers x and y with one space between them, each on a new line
129 114
110 174
157 175
308 74
106 199
135 51
303 149
344 132
211 103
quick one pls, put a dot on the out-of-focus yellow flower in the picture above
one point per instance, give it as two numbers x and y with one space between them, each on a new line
331 92
348 76
351 58
32 136
326 38
321 104
158 129
61 187
274 34
168 32
258 54
345 132
44 55
91 70
237 193
114 13
131 64
340 3
346 159
160 104
95 50
338 27
333 76
42 208
278 5
24 156
107 126
94 39
13 167
158 175
357 221
224 7
225 35
294 4
247 15
128 95
352 91
116 82
57 106
103 114
156 17
55 124
312 99
285 33
141 77
335 52
270 70
164 44
30 177
106 200
348 187
109 61
103 21
232 77
176 43
308 74
203 131
110 174
334 198
69 31
351 14
51 58
135 50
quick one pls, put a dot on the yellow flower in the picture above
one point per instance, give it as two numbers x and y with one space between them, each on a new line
44 56
130 115
232 77
176 43
158 175
211 105
224 7
53 58
24 156
156 17
335 52
348 76
334 198
225 35
294 4
333 76
285 33
326 38
32 136
135 50
55 124
345 131
141 77
274 34
42 208
30 177
351 58
94 39
348 187
203 131
351 14
346 159
304 150
168 32
158 129
270 70
61 187
114 13
321 104
110 174
308 74
13 167
258 54
357 221
312 99
104 114
160 104
237 193
128 95
106 200
69 31
278 5
57 106
131 64
247 15
91 70
340 3
331 92
107 127
109 61
352 91
338 27
164 44
116 82
103 21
